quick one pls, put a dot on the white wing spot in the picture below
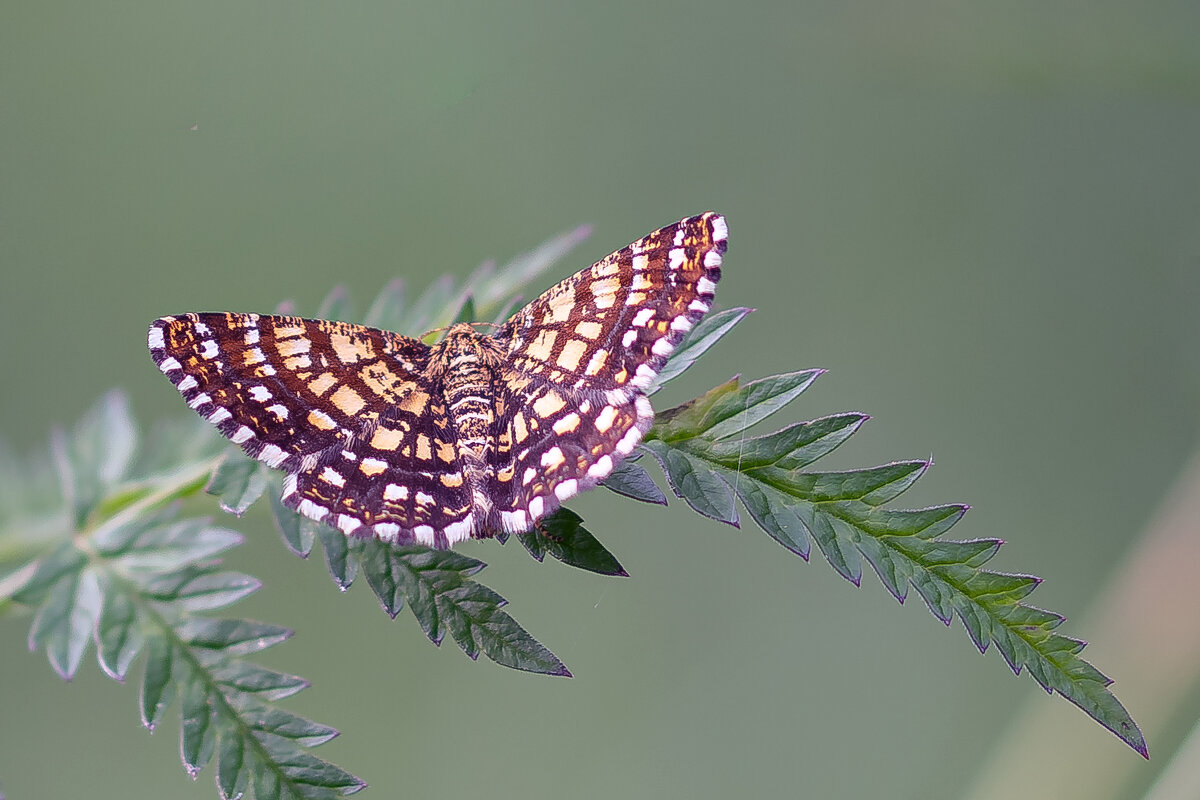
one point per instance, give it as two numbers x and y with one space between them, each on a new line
219 416
311 510
566 489
169 365
514 521
155 340
629 338
394 491
681 323
629 441
187 384
662 348
242 435
536 507
601 468
261 393
272 456
461 530
199 400
331 475
643 377
424 534
348 525
720 229
705 286
209 350
387 531
280 411
643 317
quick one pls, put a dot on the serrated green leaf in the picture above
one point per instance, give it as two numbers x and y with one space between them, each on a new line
631 479
237 482
729 409
251 678
198 736
238 637
422 575
200 589
232 773
305 775
790 448
708 331
776 514
162 547
473 616
268 719
695 482
562 535
297 535
119 638
157 687
343 566
874 485
385 575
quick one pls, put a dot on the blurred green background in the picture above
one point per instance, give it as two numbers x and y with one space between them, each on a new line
984 219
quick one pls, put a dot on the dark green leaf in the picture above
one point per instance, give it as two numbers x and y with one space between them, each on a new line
695 482
237 482
632 480
267 683
562 535
473 616
232 770
342 566
386 575
790 448
238 637
305 732
198 736
293 527
776 514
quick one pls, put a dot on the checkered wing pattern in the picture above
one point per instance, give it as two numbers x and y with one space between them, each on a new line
582 355
382 435
611 327
346 410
